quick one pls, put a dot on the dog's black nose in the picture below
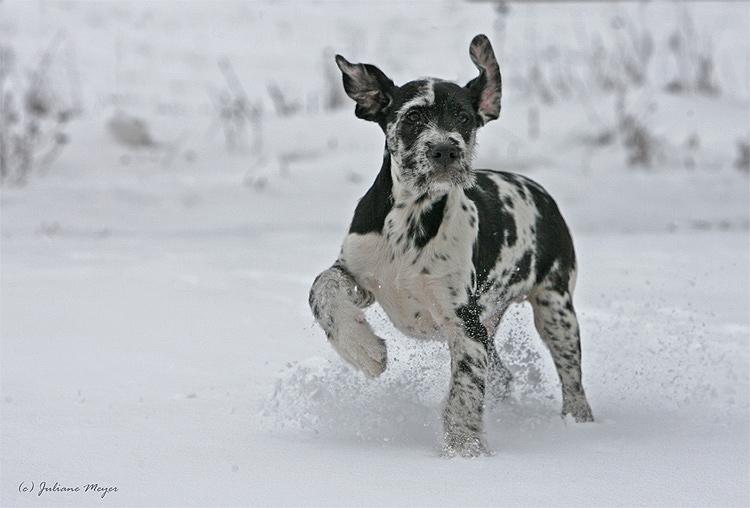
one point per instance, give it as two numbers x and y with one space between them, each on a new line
443 153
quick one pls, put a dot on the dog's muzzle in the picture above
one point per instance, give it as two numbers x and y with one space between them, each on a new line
447 162
444 155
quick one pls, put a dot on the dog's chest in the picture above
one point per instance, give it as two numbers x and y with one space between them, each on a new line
419 271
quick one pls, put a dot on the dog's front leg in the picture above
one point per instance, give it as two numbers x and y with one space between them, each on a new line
336 301
462 416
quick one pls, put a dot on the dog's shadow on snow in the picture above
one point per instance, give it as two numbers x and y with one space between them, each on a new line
325 398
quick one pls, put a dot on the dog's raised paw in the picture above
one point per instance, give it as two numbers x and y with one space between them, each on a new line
358 345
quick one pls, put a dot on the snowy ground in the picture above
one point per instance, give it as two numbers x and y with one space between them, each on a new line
180 363
155 334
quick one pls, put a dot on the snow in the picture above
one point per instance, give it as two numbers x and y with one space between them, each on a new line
154 328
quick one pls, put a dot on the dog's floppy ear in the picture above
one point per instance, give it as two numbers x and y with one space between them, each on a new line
487 88
368 86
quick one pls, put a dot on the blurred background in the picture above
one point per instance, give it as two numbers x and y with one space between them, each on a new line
173 175
246 92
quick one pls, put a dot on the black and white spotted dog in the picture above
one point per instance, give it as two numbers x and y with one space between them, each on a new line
445 248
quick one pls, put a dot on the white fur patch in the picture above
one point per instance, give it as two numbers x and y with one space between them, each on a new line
417 288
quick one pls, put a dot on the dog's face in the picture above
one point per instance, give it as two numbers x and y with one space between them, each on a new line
430 125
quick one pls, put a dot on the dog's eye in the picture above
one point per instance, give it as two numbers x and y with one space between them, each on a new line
464 118
413 117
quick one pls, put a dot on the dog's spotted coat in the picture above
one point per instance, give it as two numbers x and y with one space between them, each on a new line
445 249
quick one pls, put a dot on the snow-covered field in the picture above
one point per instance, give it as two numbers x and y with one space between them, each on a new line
154 329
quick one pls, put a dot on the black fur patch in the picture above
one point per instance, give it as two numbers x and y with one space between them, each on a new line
452 103
496 224
374 206
523 268
424 229
470 314
451 100
553 239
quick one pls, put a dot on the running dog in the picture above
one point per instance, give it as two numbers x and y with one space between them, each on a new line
445 248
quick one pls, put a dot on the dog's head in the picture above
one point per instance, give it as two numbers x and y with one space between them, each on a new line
430 124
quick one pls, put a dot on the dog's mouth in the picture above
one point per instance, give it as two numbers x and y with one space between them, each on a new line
456 174
449 172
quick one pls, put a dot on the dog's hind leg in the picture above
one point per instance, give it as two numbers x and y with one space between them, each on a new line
557 324
337 301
